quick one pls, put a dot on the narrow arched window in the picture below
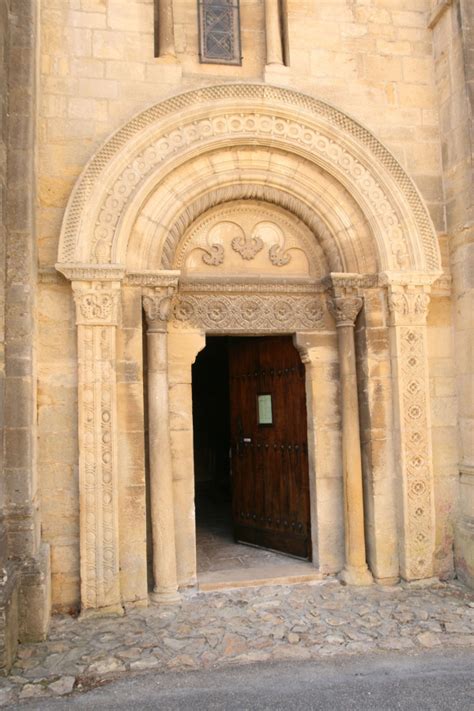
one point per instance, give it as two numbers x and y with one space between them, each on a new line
219 31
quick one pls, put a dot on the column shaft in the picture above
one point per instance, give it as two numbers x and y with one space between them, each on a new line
161 478
166 28
351 456
273 32
345 310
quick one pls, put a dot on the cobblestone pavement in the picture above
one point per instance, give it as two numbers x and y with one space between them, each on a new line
249 625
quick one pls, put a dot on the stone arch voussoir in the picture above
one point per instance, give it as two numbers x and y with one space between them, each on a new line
152 143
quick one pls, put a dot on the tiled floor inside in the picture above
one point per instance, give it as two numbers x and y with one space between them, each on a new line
219 558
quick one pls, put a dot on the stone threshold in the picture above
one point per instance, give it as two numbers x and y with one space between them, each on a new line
288 574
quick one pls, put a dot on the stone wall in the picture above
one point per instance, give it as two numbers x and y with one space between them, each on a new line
373 60
453 33
28 558
8 576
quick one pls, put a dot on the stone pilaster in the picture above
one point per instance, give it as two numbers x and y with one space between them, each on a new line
374 377
345 307
408 306
183 347
97 314
318 351
157 305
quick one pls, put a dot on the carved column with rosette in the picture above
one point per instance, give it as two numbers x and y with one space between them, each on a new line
97 313
408 304
157 305
345 307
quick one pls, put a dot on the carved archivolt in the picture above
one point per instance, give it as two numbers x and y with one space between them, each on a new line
262 114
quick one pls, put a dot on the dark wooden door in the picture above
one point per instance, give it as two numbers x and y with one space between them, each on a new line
270 499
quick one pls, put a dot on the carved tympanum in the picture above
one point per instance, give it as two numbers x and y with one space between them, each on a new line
245 237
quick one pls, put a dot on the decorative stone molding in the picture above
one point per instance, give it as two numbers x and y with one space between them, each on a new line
271 116
264 285
91 272
153 278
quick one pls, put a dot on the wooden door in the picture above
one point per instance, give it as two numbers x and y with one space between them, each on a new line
269 460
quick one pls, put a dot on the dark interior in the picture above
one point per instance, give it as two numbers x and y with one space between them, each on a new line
211 423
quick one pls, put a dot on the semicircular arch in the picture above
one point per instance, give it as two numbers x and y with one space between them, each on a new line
112 187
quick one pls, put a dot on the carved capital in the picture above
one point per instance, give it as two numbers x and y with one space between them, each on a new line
157 306
408 305
345 309
97 303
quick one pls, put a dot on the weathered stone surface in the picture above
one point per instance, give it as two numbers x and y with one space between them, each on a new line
231 627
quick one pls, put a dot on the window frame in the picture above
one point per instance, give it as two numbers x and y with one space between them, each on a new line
236 60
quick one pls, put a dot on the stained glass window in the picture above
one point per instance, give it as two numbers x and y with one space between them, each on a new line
219 30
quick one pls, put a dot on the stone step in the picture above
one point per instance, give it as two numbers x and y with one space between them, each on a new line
289 574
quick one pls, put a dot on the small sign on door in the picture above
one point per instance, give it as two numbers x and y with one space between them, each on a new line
265 414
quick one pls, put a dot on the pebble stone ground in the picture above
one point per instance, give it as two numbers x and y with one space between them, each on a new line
301 622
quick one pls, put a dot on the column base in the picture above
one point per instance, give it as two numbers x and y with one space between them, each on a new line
165 597
356 576
109 611
9 591
35 597
388 582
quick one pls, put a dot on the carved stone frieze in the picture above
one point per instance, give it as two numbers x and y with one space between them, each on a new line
252 313
345 309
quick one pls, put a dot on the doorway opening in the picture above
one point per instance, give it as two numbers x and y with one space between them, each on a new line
250 460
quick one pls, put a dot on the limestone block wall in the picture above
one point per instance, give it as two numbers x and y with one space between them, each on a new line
374 60
453 34
58 450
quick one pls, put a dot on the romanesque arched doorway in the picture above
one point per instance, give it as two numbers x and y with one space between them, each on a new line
358 244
